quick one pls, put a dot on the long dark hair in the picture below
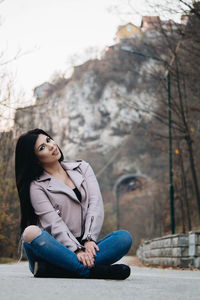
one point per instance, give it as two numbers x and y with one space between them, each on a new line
27 169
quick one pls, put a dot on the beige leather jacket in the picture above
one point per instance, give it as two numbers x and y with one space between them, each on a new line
61 213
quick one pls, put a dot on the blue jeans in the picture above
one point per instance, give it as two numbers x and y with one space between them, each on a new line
45 248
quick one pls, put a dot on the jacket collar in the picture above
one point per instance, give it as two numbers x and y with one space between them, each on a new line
56 185
67 166
70 165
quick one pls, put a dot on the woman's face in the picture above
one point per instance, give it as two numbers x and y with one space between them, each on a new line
46 150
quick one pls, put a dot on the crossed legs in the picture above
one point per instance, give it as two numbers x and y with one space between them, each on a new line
39 245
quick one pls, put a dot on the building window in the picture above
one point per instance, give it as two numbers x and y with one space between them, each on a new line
129 28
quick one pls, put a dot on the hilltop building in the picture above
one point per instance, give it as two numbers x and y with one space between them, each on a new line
43 90
126 31
149 24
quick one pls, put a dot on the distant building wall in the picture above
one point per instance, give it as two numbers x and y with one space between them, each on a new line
154 23
150 23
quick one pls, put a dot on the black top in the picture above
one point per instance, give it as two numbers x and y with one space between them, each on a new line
78 194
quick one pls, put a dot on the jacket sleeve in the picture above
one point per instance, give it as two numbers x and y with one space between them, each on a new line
50 220
95 212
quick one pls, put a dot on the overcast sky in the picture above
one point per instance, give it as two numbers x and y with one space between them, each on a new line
52 31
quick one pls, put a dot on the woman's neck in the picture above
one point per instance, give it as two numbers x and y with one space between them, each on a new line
54 168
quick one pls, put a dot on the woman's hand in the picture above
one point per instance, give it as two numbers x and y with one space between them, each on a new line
85 258
90 247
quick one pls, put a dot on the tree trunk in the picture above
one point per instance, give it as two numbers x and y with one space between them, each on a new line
188 138
193 170
184 189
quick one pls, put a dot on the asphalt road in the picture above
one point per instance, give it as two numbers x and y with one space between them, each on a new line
16 282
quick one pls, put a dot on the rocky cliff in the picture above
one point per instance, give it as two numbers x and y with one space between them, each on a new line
97 107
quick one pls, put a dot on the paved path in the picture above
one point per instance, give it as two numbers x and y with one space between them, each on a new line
17 283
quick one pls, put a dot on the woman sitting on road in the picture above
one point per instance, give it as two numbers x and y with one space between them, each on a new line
62 214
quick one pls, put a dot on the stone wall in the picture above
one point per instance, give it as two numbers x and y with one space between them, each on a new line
178 250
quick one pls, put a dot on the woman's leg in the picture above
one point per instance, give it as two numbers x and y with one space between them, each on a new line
30 255
45 248
113 247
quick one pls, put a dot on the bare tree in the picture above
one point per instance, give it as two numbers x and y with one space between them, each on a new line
176 43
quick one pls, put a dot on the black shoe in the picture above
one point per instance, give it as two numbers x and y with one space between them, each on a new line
115 272
44 269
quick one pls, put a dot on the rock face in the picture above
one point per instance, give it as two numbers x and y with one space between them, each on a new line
97 107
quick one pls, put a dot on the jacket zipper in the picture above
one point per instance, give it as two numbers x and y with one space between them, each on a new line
82 225
92 219
89 233
79 247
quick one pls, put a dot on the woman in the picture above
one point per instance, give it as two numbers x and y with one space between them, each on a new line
62 214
